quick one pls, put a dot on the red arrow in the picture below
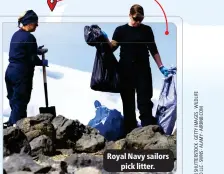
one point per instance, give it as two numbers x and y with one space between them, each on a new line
167 31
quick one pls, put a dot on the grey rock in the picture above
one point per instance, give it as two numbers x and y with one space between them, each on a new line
26 123
59 168
86 170
85 160
90 143
42 145
36 126
63 167
33 134
17 162
40 133
67 131
65 151
150 137
55 172
15 141
119 144
44 160
140 137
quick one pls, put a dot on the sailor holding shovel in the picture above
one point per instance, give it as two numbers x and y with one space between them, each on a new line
23 57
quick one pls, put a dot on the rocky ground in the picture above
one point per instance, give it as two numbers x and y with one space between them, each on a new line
44 144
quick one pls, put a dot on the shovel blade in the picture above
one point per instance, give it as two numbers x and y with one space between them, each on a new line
48 110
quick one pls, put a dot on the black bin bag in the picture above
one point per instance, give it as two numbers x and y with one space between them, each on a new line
105 76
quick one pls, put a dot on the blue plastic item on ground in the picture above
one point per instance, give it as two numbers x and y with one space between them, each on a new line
108 122
167 104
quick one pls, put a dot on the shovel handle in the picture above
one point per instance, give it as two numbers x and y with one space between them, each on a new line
44 70
45 81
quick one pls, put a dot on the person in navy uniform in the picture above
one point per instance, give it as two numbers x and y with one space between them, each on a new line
136 40
23 57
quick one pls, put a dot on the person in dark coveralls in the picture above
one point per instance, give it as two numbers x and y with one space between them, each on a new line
23 57
135 39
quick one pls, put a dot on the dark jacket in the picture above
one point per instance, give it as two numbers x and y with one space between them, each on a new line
23 51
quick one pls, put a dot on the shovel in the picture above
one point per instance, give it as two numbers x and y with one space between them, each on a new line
47 109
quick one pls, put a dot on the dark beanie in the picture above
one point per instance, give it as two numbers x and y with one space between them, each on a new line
29 17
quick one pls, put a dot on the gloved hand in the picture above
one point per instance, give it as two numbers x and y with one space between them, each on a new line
164 71
104 34
41 50
45 62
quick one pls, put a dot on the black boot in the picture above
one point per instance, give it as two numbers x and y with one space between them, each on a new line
7 124
148 121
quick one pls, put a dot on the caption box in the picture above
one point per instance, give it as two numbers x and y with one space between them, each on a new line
138 161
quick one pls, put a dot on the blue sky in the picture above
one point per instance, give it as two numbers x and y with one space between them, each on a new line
67 46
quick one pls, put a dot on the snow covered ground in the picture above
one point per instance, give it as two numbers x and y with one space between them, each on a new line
69 91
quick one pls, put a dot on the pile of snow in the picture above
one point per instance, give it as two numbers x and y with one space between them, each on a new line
69 91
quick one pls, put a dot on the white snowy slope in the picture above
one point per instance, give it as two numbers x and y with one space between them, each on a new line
69 91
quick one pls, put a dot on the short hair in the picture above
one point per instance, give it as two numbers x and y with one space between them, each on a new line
137 9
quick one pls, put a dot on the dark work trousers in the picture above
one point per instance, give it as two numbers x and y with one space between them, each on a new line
136 78
19 87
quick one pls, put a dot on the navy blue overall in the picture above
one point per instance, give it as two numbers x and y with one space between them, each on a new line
19 74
